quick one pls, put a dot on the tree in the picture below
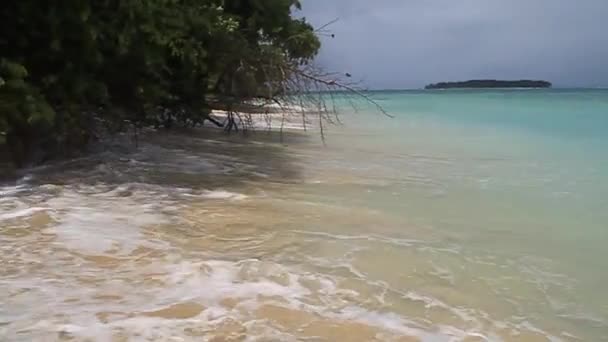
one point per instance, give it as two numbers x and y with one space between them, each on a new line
66 66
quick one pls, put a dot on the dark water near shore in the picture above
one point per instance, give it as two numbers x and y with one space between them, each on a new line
470 216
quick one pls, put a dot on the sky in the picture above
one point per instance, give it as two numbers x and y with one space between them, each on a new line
395 44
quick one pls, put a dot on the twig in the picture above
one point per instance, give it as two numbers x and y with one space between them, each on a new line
333 83
320 29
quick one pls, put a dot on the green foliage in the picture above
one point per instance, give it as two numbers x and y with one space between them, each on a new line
20 102
63 61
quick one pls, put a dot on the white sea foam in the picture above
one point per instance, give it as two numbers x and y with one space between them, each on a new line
251 283
98 223
25 212
222 194
251 280
377 238
10 190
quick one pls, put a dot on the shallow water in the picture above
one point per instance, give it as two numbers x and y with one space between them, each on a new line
470 216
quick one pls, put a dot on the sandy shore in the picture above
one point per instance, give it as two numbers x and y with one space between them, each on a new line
273 118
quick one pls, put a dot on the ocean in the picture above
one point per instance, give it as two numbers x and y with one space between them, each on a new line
470 215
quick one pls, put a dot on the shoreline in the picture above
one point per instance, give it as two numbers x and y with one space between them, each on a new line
272 120
275 127
269 121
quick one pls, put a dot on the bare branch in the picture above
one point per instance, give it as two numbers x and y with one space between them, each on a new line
323 27
332 83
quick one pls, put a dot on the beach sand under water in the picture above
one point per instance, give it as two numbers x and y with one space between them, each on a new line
419 228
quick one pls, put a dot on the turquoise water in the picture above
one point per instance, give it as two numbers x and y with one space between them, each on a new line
518 175
535 161
469 216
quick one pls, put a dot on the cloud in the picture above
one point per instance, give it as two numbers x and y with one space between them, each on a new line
409 43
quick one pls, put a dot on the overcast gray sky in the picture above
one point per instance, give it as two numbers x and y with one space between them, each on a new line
409 43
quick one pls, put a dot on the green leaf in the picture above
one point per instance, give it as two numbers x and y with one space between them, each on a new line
12 70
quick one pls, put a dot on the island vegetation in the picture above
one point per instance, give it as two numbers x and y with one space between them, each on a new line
69 67
490 84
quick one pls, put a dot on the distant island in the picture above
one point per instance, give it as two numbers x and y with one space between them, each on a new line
490 84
